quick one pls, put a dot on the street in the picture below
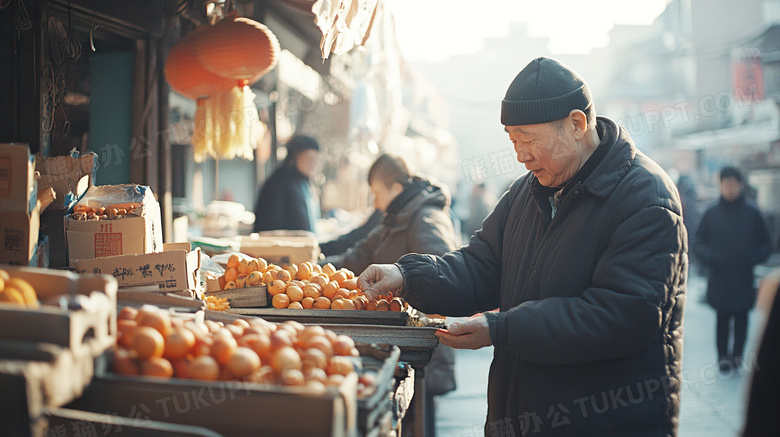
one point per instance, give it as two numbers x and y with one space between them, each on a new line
712 402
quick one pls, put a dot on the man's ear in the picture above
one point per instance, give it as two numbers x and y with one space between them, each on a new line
579 121
397 188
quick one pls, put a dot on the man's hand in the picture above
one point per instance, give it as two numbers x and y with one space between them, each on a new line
379 279
472 333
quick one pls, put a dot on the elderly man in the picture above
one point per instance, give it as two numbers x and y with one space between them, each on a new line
585 257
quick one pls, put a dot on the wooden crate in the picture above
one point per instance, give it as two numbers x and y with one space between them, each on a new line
248 297
229 408
93 325
416 344
40 376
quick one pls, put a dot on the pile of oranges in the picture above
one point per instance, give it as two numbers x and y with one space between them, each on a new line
304 286
17 291
217 303
151 343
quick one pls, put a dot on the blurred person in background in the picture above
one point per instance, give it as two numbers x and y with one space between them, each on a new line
585 256
343 243
481 202
288 200
732 238
416 220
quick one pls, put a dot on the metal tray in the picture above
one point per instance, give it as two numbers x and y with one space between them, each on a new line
352 317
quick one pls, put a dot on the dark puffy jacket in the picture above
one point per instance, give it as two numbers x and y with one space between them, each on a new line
588 340
731 239
422 225
283 202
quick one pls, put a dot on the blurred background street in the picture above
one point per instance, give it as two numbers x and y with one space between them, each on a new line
712 402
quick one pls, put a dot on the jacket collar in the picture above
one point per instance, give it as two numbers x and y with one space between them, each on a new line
608 174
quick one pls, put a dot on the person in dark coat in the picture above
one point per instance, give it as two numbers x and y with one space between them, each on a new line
416 220
732 238
585 257
288 200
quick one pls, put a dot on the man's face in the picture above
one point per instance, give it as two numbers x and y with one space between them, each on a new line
548 150
730 188
383 194
308 162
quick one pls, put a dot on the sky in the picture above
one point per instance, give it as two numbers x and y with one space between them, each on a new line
433 30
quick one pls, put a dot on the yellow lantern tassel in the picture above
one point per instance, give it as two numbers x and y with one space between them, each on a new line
202 144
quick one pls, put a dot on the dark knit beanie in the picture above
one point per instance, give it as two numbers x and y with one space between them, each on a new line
544 91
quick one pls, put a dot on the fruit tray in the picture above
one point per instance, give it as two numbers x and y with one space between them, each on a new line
229 408
356 317
76 317
416 344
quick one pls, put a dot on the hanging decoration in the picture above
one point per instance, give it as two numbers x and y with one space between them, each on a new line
215 66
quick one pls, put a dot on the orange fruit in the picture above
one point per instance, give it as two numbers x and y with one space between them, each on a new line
329 289
254 266
281 338
261 344
156 366
267 278
156 319
295 306
328 269
383 305
241 280
396 304
312 291
276 287
339 365
322 303
148 342
371 305
127 313
307 303
27 291
243 362
350 284
285 359
343 345
223 348
316 268
233 261
178 343
342 292
337 304
348 304
204 367
313 358
124 363
315 374
304 271
231 274
241 323
281 300
334 380
350 273
254 279
125 330
293 270
262 264
243 267
295 293
322 343
284 276
339 277
319 279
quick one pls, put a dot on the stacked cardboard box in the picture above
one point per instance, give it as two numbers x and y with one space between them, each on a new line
138 232
20 206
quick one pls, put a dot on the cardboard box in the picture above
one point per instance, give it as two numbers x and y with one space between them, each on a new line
280 249
19 233
136 233
17 178
70 177
176 268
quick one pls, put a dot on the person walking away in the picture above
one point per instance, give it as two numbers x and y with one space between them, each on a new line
416 220
584 256
731 239
288 200
481 202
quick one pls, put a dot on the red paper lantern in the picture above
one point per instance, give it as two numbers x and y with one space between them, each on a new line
185 73
239 48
